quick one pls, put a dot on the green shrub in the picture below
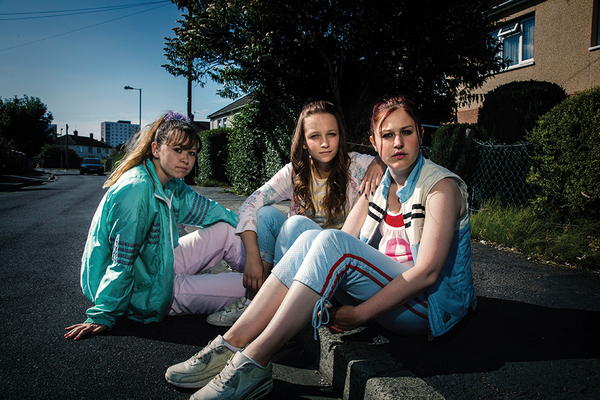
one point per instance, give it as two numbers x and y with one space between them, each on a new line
256 152
54 157
212 156
453 150
510 110
8 160
567 151
115 157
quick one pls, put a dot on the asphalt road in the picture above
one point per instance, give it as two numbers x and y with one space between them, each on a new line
43 228
535 334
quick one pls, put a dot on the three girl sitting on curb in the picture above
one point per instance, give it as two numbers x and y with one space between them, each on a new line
403 256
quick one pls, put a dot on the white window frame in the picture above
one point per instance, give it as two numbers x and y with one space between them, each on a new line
595 42
511 30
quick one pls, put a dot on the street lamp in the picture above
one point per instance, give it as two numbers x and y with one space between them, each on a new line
140 89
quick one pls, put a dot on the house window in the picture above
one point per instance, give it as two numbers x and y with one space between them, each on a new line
224 122
596 24
517 42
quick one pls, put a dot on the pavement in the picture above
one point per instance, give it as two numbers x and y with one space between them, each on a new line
534 335
36 177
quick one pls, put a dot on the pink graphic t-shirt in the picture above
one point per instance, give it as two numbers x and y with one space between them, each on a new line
394 240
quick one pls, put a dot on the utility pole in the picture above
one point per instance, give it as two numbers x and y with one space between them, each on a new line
61 155
67 147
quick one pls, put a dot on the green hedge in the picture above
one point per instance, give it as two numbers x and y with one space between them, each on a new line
256 153
54 157
451 149
213 157
567 151
511 110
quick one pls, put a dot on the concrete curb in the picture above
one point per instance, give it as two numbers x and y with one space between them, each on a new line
361 370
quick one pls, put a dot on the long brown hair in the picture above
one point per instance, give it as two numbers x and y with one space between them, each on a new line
171 129
334 202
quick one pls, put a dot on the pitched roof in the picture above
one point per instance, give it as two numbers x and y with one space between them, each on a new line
83 141
242 101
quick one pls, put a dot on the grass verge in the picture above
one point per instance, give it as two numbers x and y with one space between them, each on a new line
575 244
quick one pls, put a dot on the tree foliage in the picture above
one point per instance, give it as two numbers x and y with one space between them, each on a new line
349 52
26 122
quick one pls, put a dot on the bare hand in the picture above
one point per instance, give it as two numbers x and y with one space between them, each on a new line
343 319
372 177
78 331
254 275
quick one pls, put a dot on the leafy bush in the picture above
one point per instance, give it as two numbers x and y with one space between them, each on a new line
256 153
212 156
510 110
8 160
453 150
115 157
567 151
54 157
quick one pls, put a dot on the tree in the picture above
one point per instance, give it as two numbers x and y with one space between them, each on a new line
349 52
26 122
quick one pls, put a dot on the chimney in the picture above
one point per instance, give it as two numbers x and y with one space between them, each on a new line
75 133
91 135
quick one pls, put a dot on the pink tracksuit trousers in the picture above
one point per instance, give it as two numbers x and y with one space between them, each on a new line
204 293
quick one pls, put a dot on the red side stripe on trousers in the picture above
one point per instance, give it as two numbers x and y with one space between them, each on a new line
368 275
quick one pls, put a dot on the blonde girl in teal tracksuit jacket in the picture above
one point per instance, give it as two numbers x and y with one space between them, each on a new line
134 263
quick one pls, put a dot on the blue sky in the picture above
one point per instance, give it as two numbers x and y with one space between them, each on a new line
78 64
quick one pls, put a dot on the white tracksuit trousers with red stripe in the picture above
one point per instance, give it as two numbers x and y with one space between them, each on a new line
328 260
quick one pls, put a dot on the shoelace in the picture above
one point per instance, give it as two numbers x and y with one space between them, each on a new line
202 354
317 319
228 376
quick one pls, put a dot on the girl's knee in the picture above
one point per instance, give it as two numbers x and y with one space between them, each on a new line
330 235
300 222
269 212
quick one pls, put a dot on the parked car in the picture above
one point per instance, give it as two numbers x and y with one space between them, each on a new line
92 165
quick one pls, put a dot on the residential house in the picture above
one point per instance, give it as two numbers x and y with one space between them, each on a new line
553 40
222 117
86 146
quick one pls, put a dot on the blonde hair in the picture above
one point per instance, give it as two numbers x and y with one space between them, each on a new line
171 129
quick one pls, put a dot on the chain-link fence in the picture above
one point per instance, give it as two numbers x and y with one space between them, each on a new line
501 173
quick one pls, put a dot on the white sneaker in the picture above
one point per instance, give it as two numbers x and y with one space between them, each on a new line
227 315
240 379
202 367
